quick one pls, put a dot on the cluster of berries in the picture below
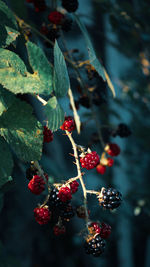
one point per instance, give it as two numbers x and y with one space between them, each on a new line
122 130
95 241
112 150
58 204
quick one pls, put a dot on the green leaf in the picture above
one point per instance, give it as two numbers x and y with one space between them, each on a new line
54 114
61 78
6 162
8 27
92 55
15 77
40 65
22 131
6 99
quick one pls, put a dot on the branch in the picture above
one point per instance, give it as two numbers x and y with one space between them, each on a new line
79 174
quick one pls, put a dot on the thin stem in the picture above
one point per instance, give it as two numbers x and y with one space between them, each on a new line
92 192
41 100
79 173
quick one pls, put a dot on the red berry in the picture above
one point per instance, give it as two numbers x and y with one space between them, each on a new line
64 194
48 135
105 230
39 5
42 215
113 150
29 1
110 162
90 160
96 227
36 185
101 169
56 17
69 124
59 230
74 187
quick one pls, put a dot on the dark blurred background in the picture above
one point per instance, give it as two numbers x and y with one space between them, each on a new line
120 32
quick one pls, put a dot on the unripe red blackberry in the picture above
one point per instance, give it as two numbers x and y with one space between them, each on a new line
69 124
56 17
70 5
110 162
101 168
74 187
95 246
59 230
96 229
42 215
112 149
105 230
110 198
48 135
67 212
90 160
65 194
36 185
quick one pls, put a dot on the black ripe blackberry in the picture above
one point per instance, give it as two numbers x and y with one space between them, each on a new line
110 198
66 25
67 213
54 201
30 172
123 130
70 5
95 246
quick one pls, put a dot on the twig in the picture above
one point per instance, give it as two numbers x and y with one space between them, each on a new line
79 174
76 116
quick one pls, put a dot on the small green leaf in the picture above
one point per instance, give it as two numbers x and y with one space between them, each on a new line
22 131
8 27
61 78
92 55
40 65
54 114
14 75
6 162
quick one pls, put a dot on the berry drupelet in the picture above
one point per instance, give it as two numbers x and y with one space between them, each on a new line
65 194
48 135
56 17
90 160
105 230
112 149
74 187
110 198
95 246
36 185
59 230
70 5
101 169
42 215
69 124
